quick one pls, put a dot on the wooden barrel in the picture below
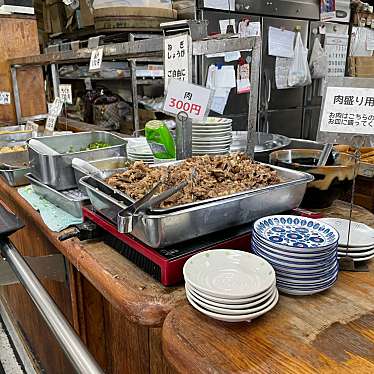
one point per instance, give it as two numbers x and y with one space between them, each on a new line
132 18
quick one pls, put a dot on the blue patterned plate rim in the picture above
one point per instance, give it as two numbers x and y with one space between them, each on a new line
321 286
286 261
293 250
311 277
284 279
306 232
316 255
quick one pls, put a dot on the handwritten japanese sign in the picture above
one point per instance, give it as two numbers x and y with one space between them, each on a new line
186 97
54 112
4 98
65 93
348 110
96 59
177 58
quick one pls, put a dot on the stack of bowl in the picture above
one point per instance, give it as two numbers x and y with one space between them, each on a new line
230 285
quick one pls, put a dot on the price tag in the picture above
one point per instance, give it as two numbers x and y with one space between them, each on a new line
348 110
56 107
88 83
190 98
177 58
4 98
32 126
50 124
65 93
96 59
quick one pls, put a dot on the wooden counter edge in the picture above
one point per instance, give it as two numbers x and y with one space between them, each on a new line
144 310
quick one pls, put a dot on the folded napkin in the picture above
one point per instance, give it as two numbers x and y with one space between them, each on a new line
55 218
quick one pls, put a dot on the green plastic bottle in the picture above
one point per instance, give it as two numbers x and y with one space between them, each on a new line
160 140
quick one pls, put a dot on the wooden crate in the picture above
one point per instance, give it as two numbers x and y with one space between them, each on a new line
19 38
362 67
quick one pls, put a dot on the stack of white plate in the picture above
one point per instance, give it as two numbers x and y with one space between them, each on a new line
214 136
361 241
302 251
230 285
139 150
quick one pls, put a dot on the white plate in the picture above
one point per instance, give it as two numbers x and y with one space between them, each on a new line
362 259
211 142
214 120
229 273
234 312
216 132
343 252
230 318
355 249
233 302
361 234
302 292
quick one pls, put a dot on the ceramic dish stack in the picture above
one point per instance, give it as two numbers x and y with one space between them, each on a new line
139 150
361 240
230 285
214 136
302 251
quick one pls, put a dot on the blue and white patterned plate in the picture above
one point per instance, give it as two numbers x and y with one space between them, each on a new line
293 231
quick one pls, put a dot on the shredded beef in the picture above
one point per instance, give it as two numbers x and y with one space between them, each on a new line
207 176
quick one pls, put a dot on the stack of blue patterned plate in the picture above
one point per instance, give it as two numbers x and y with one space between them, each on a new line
302 251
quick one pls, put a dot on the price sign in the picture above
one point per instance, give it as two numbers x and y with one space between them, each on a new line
348 110
190 98
65 93
4 98
96 59
32 126
177 58
56 107
50 124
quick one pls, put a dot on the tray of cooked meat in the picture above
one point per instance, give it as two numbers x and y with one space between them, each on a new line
220 192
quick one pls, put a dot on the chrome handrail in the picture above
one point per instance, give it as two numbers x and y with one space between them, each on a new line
69 341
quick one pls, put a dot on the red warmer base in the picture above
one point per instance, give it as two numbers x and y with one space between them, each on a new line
166 264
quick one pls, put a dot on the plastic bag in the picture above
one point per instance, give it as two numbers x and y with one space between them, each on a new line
299 74
318 61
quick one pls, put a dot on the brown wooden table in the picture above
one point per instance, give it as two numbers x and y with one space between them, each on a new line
116 308
332 332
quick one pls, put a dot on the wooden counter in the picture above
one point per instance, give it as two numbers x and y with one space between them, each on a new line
116 308
332 332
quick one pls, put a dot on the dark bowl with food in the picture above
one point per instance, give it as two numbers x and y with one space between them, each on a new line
331 182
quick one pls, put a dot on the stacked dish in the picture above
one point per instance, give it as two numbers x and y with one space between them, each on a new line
230 285
361 241
214 136
139 150
302 251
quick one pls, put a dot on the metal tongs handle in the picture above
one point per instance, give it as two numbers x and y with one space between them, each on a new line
125 218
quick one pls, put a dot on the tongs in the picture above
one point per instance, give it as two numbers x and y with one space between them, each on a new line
125 218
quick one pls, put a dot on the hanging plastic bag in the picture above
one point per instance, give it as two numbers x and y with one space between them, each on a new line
299 74
318 61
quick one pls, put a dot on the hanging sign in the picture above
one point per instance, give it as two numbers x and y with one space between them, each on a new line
190 98
4 98
348 110
65 93
96 59
53 114
178 58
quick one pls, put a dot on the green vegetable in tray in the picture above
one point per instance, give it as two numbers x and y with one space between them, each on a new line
96 145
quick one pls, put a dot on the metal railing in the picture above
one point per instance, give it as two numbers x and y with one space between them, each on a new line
69 341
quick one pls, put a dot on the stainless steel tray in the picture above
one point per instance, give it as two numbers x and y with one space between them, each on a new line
164 228
14 134
56 170
14 167
107 166
70 201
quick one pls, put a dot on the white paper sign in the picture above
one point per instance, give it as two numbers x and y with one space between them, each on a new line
348 110
56 107
65 93
50 124
336 46
186 97
96 59
177 58
220 4
4 98
281 42
224 23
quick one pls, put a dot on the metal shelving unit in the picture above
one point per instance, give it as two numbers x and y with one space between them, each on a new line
140 50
